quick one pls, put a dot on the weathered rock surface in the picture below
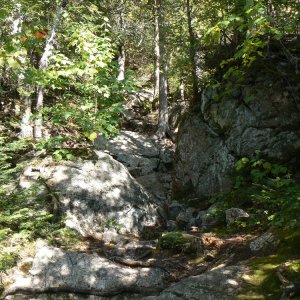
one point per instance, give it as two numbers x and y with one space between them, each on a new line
264 241
220 283
54 270
100 194
147 159
207 218
233 214
213 138
152 183
128 142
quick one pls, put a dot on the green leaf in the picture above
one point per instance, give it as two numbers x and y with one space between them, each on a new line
92 136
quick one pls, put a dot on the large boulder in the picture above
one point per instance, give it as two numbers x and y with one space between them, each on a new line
98 194
225 128
54 270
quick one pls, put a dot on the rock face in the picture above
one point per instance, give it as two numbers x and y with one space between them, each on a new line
54 270
220 283
148 160
226 128
98 194
102 194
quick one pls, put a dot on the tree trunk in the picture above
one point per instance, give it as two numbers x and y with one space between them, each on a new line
156 52
163 124
25 126
192 41
43 65
122 54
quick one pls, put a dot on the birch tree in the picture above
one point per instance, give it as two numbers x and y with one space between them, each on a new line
43 65
156 50
122 53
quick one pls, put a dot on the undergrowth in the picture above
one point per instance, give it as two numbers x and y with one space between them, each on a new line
25 214
267 191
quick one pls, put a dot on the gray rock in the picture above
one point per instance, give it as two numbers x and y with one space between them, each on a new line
207 218
233 214
55 270
152 184
175 209
136 151
185 218
128 142
102 194
264 241
212 139
202 161
220 283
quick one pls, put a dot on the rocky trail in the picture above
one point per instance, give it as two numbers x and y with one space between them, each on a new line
120 202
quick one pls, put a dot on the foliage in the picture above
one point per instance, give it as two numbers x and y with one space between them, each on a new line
267 191
25 214
251 26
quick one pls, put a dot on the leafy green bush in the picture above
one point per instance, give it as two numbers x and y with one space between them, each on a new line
267 191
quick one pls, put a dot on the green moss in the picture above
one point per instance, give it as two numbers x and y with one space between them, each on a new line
179 242
8 260
261 282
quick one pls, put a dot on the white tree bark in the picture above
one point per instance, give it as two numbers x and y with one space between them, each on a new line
156 51
43 65
16 29
122 54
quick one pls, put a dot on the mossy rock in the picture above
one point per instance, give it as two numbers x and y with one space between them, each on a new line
180 242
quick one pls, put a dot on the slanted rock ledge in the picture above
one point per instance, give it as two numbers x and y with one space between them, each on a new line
57 271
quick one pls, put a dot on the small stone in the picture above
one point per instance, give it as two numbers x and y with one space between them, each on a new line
233 214
185 217
264 241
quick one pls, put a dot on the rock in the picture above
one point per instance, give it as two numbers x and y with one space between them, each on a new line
175 209
264 241
136 151
166 151
54 270
233 214
129 142
184 218
212 138
208 218
220 283
153 185
102 194
177 110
